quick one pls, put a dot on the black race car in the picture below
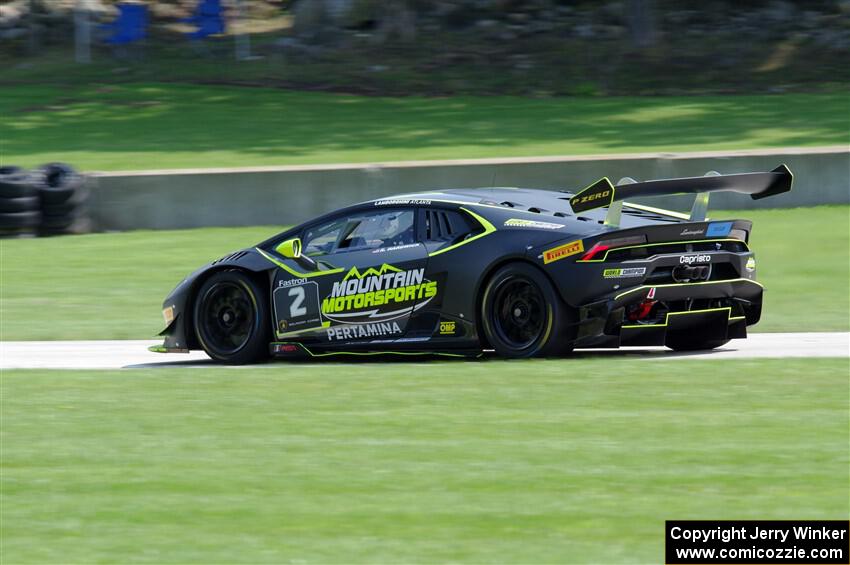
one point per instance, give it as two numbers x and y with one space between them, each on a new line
456 272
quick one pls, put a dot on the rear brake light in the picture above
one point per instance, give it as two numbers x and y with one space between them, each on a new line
607 244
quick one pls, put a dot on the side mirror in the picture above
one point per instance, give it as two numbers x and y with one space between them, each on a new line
291 248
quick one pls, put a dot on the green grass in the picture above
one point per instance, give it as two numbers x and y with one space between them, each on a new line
111 286
522 462
156 126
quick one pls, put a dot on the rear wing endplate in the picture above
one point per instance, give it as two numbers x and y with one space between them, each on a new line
603 194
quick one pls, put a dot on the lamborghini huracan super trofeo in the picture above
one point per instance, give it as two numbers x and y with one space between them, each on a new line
455 272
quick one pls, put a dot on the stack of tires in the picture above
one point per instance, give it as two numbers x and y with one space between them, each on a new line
49 200
20 205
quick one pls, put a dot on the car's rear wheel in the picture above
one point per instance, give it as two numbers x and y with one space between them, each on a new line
685 343
231 318
522 314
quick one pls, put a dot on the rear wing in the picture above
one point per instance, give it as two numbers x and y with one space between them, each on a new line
604 194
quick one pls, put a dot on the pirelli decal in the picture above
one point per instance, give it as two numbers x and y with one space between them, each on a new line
597 195
562 251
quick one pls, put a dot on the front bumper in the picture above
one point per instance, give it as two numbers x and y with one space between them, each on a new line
710 310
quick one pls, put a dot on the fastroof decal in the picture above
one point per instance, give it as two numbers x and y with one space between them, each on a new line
563 251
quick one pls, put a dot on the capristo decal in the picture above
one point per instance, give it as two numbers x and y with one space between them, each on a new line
377 295
689 259
518 223
562 251
623 273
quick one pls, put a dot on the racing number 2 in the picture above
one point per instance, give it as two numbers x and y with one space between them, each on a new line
297 307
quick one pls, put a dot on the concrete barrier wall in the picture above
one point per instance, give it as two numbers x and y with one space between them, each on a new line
288 195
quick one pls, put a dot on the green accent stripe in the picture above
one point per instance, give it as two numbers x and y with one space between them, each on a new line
488 229
728 310
655 210
647 286
607 251
292 271
373 353
297 332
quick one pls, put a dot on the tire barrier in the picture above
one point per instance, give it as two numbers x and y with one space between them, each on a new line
49 200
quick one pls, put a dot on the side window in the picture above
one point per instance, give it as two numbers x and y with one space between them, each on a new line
372 230
444 226
321 240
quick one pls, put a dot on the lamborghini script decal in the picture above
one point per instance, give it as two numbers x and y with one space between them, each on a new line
562 251
377 295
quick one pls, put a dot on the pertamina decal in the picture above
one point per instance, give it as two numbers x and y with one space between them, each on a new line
563 251
378 295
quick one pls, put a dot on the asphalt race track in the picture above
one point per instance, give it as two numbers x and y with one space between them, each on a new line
134 354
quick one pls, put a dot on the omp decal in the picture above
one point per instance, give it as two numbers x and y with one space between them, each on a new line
623 273
563 251
718 229
673 285
292 271
448 328
728 310
597 195
488 229
359 331
377 295
691 259
751 264
518 223
605 257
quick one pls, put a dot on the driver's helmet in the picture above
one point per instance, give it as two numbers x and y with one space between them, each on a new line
387 226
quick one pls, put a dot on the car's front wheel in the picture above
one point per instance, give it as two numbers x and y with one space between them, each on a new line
231 318
522 314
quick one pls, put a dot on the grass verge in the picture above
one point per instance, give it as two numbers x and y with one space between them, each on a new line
493 461
111 286
157 126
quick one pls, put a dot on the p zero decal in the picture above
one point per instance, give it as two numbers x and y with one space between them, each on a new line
563 251
597 195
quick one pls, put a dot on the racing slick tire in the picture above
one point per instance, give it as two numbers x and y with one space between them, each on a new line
685 343
231 318
523 315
